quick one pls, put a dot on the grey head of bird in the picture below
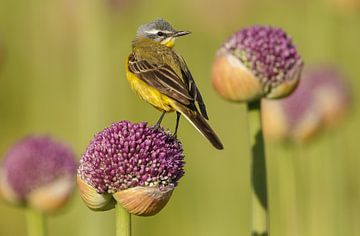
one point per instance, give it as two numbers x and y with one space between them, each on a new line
160 31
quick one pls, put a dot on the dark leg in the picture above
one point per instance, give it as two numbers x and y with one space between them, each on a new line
178 114
157 125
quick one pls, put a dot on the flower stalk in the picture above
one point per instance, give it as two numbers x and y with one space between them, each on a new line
123 221
260 213
255 63
287 193
35 222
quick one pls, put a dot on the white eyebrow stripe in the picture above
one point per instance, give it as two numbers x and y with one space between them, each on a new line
155 31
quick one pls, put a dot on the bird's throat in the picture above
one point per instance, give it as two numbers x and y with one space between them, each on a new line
169 42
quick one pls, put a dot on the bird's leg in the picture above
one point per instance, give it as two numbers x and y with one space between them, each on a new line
157 125
178 114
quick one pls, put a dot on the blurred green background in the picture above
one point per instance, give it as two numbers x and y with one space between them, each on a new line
63 73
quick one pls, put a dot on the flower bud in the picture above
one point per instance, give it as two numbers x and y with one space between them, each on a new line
256 62
320 100
38 171
136 165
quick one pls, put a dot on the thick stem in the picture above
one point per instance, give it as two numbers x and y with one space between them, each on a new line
123 221
35 222
260 217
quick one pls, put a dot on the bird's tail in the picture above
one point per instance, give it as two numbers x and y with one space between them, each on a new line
200 124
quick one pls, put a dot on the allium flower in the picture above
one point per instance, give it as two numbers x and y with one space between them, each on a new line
256 62
320 100
137 165
118 4
38 171
348 7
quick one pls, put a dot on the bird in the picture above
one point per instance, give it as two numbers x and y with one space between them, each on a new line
160 76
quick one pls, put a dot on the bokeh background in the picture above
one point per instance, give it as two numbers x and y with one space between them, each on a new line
62 72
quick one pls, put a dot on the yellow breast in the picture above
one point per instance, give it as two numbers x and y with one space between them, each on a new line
148 93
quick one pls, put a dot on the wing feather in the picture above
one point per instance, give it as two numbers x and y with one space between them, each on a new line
161 77
181 88
192 88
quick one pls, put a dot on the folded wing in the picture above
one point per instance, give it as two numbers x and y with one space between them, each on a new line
161 77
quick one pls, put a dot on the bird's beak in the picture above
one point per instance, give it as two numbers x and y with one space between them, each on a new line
180 33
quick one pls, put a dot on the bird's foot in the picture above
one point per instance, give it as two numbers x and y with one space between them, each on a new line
156 126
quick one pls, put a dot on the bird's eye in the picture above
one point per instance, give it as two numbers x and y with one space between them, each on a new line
160 33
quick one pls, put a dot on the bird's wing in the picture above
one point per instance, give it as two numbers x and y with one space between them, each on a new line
161 77
192 88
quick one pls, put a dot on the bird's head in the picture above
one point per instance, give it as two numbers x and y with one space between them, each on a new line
160 31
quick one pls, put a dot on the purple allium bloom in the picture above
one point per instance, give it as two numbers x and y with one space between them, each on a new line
127 155
268 52
256 62
306 98
119 4
36 161
320 100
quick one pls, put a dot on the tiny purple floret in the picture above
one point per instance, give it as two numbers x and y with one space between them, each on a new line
268 52
127 155
36 161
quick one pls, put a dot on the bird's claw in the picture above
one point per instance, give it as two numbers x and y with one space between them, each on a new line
156 126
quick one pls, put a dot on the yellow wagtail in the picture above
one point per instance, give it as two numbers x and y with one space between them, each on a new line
161 77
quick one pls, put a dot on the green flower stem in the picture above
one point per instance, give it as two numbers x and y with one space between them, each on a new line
123 221
260 215
288 188
35 222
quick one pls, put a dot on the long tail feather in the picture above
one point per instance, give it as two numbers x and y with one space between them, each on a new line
200 124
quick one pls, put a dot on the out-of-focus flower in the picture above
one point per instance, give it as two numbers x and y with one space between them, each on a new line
255 62
345 6
135 165
121 5
117 3
217 14
320 100
40 172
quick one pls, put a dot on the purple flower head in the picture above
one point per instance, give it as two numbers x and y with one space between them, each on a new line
308 97
36 161
127 155
320 100
117 5
268 52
